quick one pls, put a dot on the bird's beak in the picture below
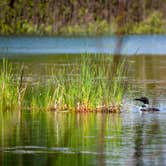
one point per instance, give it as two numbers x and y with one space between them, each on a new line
137 99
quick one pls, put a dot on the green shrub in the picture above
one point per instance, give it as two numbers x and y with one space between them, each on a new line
153 24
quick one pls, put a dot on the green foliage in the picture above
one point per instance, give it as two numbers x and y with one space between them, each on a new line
91 86
11 94
92 28
153 24
85 18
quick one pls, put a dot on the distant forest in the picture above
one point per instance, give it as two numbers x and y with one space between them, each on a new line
81 17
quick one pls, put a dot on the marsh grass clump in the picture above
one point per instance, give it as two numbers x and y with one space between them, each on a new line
11 92
91 84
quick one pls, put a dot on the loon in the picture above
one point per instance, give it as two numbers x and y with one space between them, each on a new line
145 106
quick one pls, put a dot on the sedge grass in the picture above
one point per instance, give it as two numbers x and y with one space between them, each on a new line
11 91
89 85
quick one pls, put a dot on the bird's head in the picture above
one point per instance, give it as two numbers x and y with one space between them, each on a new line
145 100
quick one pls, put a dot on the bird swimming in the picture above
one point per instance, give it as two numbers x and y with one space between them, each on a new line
145 106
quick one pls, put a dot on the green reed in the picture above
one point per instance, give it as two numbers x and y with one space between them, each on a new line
11 91
91 84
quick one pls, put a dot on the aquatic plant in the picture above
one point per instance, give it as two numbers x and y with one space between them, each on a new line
91 84
11 91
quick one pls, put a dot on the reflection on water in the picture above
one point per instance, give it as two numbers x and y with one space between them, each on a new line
149 137
49 138
149 79
149 72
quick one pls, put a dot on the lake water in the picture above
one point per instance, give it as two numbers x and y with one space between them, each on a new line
51 138
131 44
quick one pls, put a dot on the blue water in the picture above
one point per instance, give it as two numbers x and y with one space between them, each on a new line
130 44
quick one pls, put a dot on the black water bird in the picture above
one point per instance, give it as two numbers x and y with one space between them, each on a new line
145 106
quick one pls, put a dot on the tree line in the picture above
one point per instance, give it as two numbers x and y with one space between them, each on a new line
53 15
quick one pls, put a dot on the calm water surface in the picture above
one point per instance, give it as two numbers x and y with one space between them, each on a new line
50 138
132 44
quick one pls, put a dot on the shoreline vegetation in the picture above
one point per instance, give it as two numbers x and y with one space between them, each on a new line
89 86
74 18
